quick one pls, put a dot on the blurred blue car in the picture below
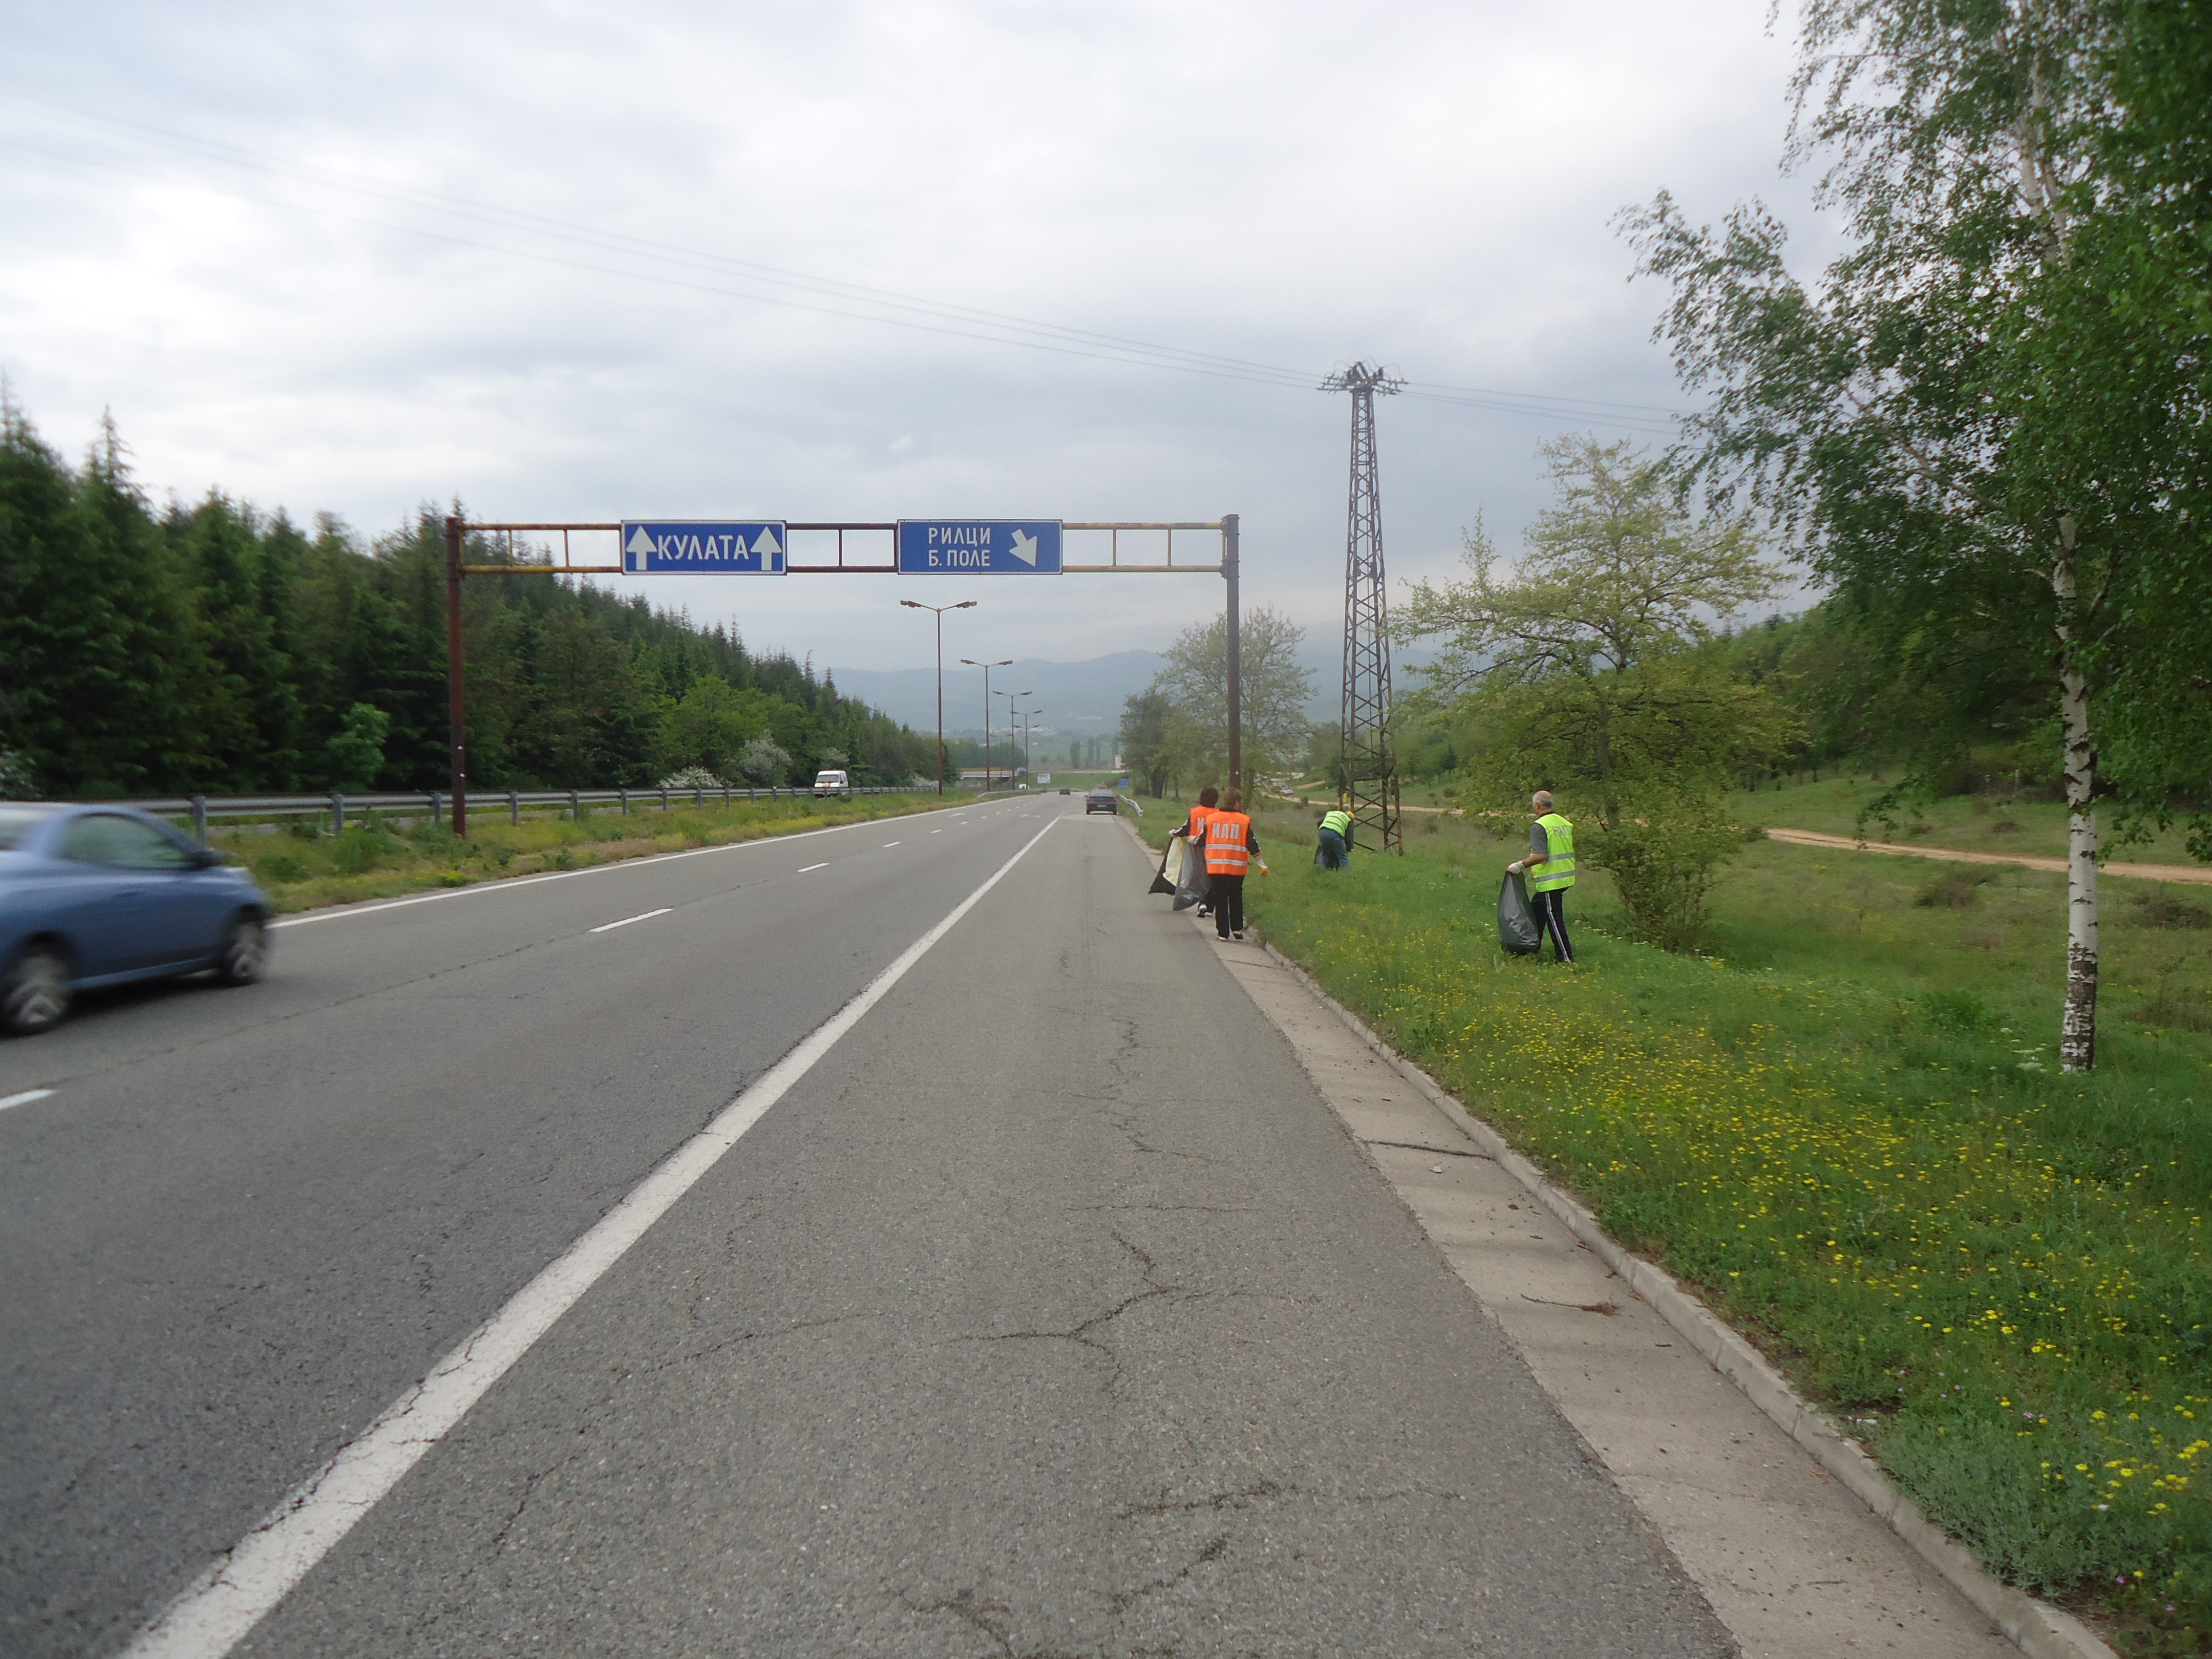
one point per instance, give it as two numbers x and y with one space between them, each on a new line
98 896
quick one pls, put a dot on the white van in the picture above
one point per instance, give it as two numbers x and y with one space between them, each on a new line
832 783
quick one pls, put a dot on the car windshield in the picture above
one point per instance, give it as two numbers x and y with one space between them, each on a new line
17 822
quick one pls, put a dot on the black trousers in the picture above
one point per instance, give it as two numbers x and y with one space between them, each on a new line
1551 909
1228 905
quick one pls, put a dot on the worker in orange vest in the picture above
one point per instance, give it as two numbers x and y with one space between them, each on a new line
1230 846
1195 828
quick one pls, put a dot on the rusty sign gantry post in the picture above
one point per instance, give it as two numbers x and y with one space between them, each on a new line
457 569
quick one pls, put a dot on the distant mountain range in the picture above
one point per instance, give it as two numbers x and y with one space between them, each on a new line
1079 699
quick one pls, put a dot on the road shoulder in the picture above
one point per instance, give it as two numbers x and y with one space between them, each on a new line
1792 1560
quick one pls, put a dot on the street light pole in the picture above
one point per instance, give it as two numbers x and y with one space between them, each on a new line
1010 696
987 667
1027 758
916 604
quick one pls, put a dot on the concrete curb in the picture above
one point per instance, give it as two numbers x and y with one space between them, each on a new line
2038 1629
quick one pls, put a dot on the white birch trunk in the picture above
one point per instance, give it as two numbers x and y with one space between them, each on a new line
2078 1040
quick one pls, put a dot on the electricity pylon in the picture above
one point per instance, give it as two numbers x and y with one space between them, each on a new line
1371 765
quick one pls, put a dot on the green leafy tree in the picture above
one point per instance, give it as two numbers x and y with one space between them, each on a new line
355 750
1592 668
1274 687
1144 740
762 762
1618 586
710 725
1986 418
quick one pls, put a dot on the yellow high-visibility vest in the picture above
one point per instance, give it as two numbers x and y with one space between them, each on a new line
1558 868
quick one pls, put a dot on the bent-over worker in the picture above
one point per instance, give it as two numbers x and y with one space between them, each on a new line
1334 848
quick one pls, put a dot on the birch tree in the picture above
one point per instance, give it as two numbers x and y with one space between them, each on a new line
1930 413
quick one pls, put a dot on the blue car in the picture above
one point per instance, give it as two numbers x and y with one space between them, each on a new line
98 896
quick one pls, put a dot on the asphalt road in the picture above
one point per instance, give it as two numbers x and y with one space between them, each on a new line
1052 1312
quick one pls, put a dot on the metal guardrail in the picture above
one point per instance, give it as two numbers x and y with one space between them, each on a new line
202 809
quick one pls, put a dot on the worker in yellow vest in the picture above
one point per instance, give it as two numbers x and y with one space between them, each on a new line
1230 846
1550 867
1333 848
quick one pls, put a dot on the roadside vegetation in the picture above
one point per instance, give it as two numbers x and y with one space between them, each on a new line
1846 1125
216 648
1994 818
304 866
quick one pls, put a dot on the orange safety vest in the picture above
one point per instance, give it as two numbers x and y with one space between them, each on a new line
1227 850
1199 815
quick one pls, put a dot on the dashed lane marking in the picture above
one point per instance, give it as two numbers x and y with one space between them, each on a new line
342 911
25 1098
804 868
217 1611
643 916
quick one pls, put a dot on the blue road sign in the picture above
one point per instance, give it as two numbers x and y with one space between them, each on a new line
979 547
701 546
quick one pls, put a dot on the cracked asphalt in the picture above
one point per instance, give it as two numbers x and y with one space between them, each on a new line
1052 1313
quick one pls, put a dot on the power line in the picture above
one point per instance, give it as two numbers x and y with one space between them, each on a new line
887 307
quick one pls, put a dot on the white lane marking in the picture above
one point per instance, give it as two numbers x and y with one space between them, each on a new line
25 1098
804 868
646 915
340 912
937 832
890 843
216 1611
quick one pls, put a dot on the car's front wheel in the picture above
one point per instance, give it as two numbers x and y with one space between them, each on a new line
245 953
34 993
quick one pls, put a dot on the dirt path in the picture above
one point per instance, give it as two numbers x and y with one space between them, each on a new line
2194 874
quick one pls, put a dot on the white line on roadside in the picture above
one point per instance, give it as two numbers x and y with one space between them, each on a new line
216 1611
804 868
25 1098
646 915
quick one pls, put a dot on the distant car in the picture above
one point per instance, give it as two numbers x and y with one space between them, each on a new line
1101 800
832 783
99 896
1065 790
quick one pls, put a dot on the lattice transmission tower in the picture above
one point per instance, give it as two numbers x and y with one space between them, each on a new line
1371 765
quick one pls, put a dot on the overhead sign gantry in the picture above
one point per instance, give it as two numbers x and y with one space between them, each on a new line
762 547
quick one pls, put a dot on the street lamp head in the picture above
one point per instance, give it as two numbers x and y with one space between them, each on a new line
965 604
914 605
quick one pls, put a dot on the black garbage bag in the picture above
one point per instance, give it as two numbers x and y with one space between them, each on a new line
1193 885
1163 881
1517 933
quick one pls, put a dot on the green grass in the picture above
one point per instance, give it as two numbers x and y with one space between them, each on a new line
1979 823
1847 1126
303 867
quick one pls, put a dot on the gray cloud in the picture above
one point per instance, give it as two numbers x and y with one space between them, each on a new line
1290 185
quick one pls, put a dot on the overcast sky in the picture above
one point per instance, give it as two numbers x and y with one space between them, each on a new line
354 258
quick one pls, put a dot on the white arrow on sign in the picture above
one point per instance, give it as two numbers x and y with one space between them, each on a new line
764 544
1024 548
639 541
